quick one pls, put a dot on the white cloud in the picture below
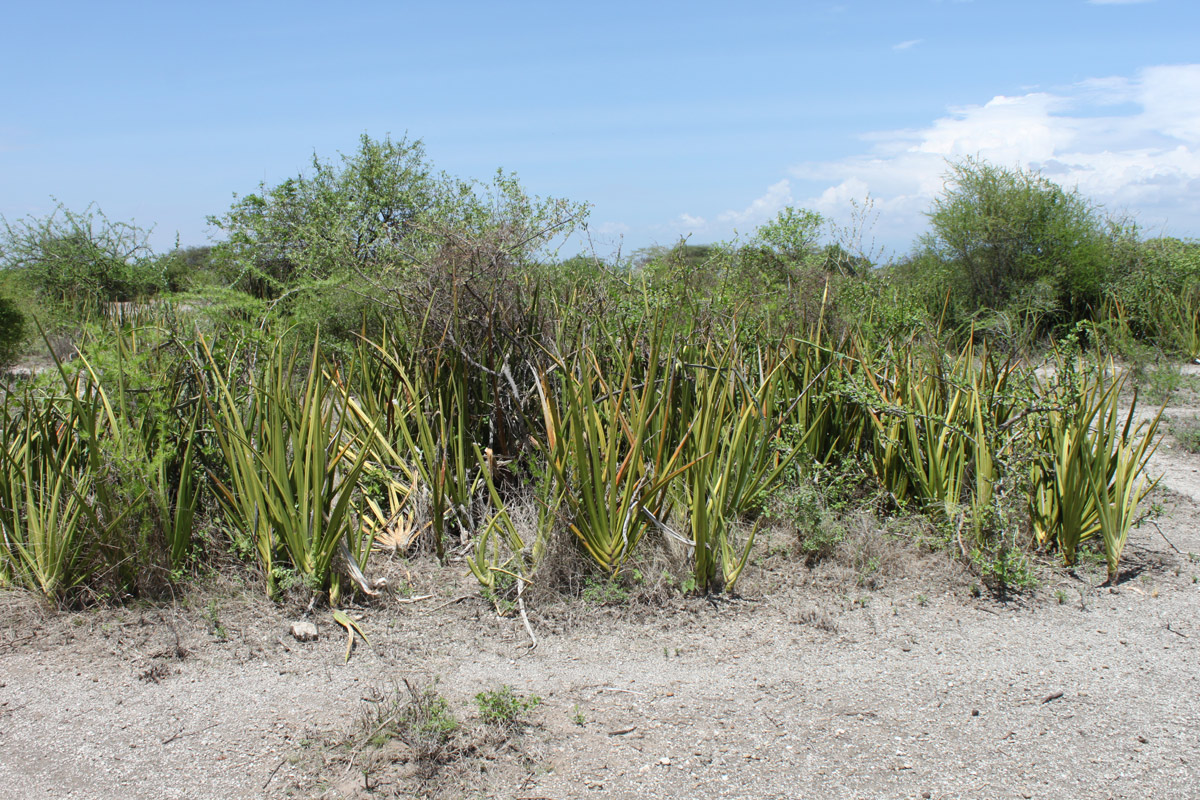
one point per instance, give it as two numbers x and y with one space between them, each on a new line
1129 143
609 228
907 45
777 196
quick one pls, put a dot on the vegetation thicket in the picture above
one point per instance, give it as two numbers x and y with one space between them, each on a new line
379 352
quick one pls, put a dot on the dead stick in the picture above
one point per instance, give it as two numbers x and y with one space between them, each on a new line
524 618
272 775
180 734
413 599
452 602
1165 539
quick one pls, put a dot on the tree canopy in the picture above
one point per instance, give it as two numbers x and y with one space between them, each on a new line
1020 238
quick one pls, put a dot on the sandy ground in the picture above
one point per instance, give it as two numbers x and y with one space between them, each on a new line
812 685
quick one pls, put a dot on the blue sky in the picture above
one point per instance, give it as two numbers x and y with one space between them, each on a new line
672 119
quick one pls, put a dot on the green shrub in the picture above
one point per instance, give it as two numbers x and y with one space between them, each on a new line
1021 241
504 710
12 331
1156 303
81 260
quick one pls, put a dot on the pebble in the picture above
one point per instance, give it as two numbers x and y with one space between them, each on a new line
304 631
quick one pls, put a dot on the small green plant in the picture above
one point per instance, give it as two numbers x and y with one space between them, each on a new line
922 600
504 710
1060 595
213 617
868 566
418 716
577 716
1162 381
819 531
501 592
605 591
1004 568
1187 433
288 580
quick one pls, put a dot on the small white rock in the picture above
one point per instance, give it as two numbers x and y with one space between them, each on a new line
304 631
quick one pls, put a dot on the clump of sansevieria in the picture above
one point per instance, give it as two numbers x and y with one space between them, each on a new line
608 445
47 545
941 429
1089 474
428 438
732 460
145 452
98 486
292 469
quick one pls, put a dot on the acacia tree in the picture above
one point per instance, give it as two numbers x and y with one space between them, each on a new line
349 216
456 266
1018 236
81 258
381 217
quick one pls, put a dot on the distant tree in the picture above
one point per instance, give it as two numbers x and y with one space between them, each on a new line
682 254
781 259
682 279
357 215
380 233
195 259
837 260
1016 234
792 235
185 268
80 258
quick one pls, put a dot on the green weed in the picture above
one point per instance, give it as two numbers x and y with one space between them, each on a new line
504 710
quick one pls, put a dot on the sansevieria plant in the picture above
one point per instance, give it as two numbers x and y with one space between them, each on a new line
291 467
1090 475
733 461
607 445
